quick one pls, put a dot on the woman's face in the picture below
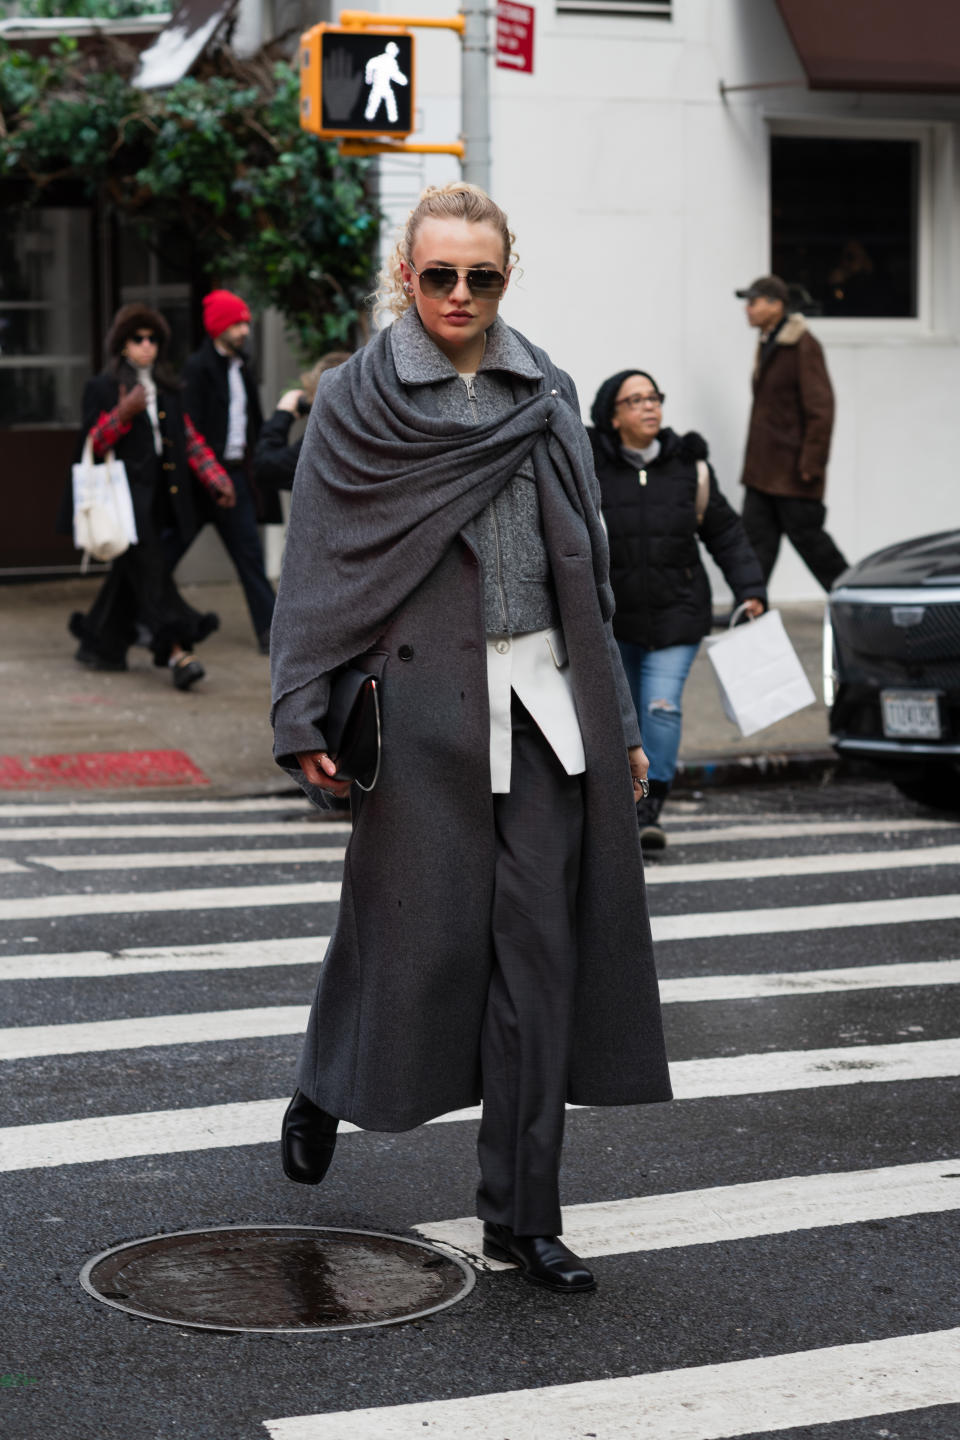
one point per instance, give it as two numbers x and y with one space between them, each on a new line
637 412
141 348
455 320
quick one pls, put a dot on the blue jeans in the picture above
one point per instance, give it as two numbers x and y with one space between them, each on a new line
656 679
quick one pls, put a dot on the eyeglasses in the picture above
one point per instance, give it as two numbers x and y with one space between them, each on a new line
633 402
140 339
439 281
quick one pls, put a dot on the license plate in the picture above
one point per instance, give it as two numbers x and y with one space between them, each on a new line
910 714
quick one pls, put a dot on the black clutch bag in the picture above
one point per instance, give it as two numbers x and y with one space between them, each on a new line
352 727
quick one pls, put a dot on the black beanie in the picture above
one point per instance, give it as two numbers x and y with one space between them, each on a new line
601 411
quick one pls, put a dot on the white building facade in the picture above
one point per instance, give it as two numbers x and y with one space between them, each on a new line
642 196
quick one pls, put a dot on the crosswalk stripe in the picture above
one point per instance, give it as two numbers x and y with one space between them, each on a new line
29 1041
807 982
309 950
170 859
147 959
795 865
170 830
734 1212
709 925
789 829
686 874
18 1042
11 867
141 902
155 1132
26 811
196 831
703 1402
779 921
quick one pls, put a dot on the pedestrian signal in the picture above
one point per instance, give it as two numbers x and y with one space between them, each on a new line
356 83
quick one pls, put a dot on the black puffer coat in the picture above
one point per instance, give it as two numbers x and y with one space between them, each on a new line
661 588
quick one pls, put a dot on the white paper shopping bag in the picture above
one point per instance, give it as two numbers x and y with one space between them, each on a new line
759 674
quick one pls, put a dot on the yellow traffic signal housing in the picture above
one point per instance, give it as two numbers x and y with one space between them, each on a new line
356 83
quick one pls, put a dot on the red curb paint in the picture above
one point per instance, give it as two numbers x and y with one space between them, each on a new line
99 770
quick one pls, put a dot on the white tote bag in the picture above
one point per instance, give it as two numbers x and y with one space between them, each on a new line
103 521
759 674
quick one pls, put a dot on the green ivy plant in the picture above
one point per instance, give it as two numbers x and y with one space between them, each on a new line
267 204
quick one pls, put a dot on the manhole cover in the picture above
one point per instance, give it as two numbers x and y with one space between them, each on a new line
277 1277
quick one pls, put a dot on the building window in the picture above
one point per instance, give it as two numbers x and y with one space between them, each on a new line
45 320
649 9
844 224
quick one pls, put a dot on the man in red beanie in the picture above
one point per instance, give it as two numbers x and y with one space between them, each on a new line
220 396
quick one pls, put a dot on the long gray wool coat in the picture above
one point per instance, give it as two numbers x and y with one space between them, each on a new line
393 1037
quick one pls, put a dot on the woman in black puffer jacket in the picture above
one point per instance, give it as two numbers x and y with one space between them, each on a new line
649 489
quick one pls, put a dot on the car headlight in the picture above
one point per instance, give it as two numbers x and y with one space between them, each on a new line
829 660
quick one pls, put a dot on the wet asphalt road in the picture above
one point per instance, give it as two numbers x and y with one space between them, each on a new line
82 1369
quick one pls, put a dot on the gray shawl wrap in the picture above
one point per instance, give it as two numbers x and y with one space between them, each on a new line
383 489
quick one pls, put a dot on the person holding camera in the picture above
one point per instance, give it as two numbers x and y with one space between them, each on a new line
275 458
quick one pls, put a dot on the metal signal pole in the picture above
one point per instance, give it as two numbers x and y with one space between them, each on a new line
475 92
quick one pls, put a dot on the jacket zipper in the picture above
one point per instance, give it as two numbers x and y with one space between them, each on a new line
472 397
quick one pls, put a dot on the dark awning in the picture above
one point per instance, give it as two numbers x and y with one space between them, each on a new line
877 44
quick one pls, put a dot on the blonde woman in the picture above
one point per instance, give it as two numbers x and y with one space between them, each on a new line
492 940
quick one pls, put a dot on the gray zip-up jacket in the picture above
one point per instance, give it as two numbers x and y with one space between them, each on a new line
518 592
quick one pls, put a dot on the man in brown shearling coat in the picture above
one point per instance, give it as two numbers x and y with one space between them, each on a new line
788 443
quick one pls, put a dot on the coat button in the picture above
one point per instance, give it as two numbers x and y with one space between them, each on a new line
168 466
173 489
161 414
405 652
502 646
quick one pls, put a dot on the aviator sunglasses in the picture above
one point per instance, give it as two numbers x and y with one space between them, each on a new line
439 281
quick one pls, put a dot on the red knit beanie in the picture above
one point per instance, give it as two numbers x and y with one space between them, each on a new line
221 309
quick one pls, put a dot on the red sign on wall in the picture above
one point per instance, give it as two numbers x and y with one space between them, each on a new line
514 36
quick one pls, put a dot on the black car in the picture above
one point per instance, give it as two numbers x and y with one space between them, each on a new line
892 665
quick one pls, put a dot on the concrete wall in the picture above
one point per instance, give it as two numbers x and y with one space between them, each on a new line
640 200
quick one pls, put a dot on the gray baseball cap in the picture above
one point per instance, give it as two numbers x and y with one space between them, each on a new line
770 286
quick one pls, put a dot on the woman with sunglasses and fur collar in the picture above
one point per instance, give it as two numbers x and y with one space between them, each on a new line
492 940
651 483
134 409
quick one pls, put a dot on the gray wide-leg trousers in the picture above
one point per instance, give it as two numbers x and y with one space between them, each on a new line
525 1042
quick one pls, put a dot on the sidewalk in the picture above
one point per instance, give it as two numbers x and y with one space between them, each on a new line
71 732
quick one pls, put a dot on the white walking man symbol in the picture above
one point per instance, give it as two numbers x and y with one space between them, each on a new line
381 74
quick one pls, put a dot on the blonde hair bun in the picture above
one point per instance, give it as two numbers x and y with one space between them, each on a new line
456 201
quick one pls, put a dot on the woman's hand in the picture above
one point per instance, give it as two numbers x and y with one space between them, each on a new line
320 770
132 402
639 765
754 607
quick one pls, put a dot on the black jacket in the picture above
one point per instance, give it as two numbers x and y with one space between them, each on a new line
206 399
661 588
161 486
275 459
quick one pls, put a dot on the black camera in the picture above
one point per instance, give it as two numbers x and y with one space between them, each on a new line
303 406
